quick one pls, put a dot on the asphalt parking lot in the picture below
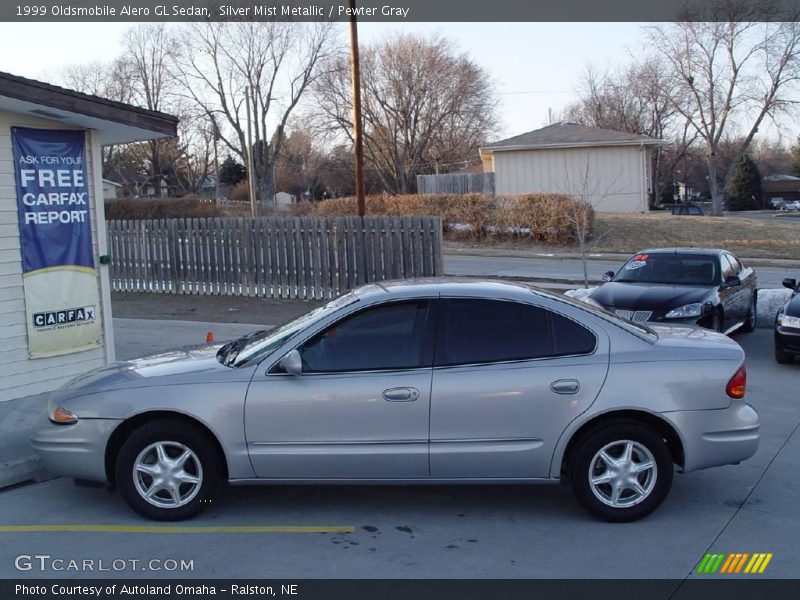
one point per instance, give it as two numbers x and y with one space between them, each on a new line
446 532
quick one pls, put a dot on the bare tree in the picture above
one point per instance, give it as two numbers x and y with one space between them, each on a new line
638 100
107 80
276 61
728 73
150 51
590 188
192 153
423 103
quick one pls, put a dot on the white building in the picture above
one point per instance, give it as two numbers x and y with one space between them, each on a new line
110 189
609 169
31 104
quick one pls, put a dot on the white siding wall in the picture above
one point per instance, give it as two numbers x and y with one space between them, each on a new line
20 375
613 179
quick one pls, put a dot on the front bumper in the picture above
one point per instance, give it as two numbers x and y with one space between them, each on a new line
787 339
716 437
76 450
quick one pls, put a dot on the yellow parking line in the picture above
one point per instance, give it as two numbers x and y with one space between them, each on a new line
168 529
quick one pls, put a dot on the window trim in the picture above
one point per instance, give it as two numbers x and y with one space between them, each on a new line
440 325
731 263
735 263
427 351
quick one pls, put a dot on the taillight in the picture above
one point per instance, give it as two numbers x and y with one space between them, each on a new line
737 384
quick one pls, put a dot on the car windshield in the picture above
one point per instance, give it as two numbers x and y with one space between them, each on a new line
672 269
258 344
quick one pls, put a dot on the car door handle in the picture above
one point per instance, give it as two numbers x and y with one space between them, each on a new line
401 394
565 386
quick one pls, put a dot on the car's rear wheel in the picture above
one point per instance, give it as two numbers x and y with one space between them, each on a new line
784 358
621 472
716 321
752 314
168 470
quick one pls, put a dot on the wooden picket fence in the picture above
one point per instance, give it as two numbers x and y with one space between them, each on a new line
456 183
310 258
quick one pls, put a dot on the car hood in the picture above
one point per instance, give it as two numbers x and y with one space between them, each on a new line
189 365
792 306
648 295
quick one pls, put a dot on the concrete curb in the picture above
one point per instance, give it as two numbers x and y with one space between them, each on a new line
22 470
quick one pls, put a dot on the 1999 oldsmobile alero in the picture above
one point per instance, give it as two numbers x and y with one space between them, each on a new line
415 382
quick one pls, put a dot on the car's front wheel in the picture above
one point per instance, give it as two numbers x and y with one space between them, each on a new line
621 472
752 315
168 470
716 321
782 357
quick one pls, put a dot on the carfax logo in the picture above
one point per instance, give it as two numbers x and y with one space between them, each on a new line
734 563
62 317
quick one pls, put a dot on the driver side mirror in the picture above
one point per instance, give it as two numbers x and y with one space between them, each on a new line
292 363
608 275
790 283
732 281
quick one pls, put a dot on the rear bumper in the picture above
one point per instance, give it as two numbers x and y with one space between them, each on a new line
787 339
76 450
716 437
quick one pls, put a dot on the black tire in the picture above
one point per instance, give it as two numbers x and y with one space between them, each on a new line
749 324
716 321
204 463
585 457
782 357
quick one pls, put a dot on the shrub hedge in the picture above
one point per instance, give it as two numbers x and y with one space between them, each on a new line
160 208
546 218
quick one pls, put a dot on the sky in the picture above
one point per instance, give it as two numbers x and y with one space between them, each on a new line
536 67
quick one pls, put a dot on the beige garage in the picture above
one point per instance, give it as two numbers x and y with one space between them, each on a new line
609 169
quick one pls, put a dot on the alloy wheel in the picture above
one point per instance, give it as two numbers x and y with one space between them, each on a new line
167 474
622 473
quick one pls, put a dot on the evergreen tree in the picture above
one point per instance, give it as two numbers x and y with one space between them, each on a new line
795 152
231 172
744 187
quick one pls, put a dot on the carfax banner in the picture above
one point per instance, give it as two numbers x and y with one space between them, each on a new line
61 297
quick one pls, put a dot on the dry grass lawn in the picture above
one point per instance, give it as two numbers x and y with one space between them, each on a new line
767 238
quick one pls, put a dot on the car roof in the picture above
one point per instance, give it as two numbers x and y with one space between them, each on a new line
446 286
708 251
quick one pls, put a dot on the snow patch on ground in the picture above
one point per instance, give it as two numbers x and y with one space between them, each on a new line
769 302
580 293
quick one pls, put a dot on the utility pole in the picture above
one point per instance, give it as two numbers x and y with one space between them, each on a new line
355 75
250 173
217 196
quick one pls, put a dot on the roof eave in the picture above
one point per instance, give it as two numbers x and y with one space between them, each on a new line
509 148
45 94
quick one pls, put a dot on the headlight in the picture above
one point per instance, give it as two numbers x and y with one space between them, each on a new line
688 310
787 321
62 416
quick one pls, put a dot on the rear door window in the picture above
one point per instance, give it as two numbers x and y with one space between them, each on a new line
476 331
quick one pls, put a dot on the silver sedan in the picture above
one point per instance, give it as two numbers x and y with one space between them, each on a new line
428 381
